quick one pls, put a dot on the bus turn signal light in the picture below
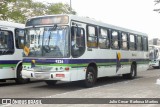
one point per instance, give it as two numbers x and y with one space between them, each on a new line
67 68
60 75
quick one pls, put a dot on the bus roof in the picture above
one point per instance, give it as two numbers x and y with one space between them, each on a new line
94 22
11 24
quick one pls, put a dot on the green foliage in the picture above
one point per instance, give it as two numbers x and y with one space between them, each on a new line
20 10
59 8
158 9
4 11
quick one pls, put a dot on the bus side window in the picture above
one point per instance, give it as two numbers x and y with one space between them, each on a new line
103 38
139 43
92 36
132 42
114 40
145 43
124 43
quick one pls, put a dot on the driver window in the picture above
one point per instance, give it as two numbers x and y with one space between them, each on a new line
6 42
77 41
19 34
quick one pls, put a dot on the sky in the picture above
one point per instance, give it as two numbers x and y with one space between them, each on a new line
131 14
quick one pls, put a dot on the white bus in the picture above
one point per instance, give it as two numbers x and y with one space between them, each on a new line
72 48
11 43
154 56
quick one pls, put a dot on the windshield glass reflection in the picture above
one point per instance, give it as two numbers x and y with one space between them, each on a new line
47 41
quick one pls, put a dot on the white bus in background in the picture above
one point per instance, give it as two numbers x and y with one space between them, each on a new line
72 48
154 56
11 48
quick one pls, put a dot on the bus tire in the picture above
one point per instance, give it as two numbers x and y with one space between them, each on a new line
159 65
50 82
132 74
90 78
154 67
19 79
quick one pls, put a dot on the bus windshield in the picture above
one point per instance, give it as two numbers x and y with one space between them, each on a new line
49 41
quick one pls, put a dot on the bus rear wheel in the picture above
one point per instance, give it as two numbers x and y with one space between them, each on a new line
132 74
19 79
90 78
50 82
158 65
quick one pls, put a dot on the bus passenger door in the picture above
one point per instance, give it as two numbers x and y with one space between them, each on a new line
78 49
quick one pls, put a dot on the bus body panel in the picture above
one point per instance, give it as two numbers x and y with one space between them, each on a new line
10 62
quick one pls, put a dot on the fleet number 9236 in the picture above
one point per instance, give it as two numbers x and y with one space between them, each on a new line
59 61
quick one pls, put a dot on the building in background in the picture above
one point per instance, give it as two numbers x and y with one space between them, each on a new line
154 41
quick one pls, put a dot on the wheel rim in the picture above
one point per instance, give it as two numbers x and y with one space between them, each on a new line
133 72
90 77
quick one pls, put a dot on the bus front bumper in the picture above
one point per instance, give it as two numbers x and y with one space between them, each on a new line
154 63
62 76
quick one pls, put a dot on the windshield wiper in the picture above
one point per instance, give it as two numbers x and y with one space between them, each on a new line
39 37
43 41
49 38
55 27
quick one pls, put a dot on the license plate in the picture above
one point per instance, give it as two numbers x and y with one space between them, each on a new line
41 76
38 75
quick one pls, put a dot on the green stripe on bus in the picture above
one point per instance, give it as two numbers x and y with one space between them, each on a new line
26 64
8 65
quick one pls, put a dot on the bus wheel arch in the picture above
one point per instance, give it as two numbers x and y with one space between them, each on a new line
94 65
133 71
91 75
19 79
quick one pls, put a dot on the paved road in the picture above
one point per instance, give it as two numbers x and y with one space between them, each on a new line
144 86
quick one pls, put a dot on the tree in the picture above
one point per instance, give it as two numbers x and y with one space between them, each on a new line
157 2
59 8
4 9
17 10
20 10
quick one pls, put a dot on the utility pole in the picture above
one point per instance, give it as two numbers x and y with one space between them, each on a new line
70 7
70 4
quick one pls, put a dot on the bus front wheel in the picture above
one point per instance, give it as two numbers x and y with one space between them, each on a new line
132 74
19 79
90 78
